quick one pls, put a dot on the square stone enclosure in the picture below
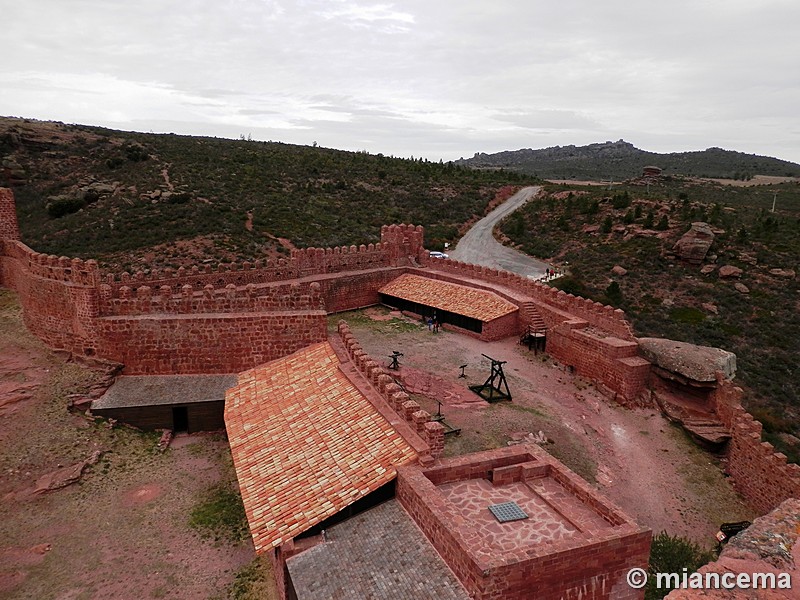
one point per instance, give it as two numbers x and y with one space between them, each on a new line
574 542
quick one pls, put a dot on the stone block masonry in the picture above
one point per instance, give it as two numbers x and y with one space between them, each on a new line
759 473
9 228
588 559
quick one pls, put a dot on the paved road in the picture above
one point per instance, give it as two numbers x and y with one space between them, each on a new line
479 247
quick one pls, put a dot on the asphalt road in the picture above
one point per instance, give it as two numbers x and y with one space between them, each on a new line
479 247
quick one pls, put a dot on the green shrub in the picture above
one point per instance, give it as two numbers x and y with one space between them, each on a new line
622 200
64 205
614 294
673 554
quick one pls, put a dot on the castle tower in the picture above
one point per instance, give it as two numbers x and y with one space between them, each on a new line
9 228
405 242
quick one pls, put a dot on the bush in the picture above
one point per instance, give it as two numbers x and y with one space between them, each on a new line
673 554
687 314
614 294
621 200
606 226
64 205
663 223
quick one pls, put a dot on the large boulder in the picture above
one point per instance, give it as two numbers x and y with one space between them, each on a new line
692 362
694 244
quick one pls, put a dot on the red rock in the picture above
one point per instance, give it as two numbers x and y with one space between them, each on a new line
728 271
694 244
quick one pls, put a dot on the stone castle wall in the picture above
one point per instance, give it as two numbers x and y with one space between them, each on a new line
432 432
198 320
759 473
234 317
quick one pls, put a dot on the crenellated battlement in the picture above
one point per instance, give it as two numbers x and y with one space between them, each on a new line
251 298
55 268
603 317
432 432
760 474
302 263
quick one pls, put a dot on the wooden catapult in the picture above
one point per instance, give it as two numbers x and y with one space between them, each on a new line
495 388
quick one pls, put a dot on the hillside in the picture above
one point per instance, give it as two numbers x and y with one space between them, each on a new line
621 160
590 230
134 200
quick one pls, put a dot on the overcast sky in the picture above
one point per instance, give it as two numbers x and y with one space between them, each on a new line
433 78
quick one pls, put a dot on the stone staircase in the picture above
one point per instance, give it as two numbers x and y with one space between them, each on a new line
532 318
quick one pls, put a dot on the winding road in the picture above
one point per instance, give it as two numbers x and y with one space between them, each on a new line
479 247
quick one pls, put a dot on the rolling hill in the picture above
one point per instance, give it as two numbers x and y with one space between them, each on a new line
622 160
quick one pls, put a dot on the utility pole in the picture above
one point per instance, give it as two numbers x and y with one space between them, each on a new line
774 198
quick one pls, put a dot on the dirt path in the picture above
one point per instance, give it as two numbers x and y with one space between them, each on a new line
635 457
121 531
479 247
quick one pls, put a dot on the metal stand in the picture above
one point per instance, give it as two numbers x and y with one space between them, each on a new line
463 375
439 417
395 357
495 388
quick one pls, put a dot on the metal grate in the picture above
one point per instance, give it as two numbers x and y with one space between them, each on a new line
507 511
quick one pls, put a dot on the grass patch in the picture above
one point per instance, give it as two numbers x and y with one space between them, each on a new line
687 315
220 515
254 581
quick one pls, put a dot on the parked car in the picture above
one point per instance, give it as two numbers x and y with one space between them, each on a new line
439 255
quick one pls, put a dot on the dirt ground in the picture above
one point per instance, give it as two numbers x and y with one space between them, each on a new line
122 530
647 466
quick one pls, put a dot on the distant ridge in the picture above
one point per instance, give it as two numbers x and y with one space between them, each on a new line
622 160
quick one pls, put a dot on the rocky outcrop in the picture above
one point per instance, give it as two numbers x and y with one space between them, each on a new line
694 244
769 546
688 361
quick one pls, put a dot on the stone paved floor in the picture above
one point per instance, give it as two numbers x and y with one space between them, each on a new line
378 555
472 498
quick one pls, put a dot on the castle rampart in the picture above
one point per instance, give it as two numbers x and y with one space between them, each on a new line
761 475
233 317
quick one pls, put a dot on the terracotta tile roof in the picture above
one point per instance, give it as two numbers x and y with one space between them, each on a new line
305 443
460 299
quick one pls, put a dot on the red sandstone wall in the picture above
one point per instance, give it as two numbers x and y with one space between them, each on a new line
595 570
9 229
212 343
501 327
196 321
760 474
613 362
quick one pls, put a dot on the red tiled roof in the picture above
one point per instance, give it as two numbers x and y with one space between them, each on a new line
305 443
460 299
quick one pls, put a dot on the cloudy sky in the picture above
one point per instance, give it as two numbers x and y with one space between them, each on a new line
433 78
